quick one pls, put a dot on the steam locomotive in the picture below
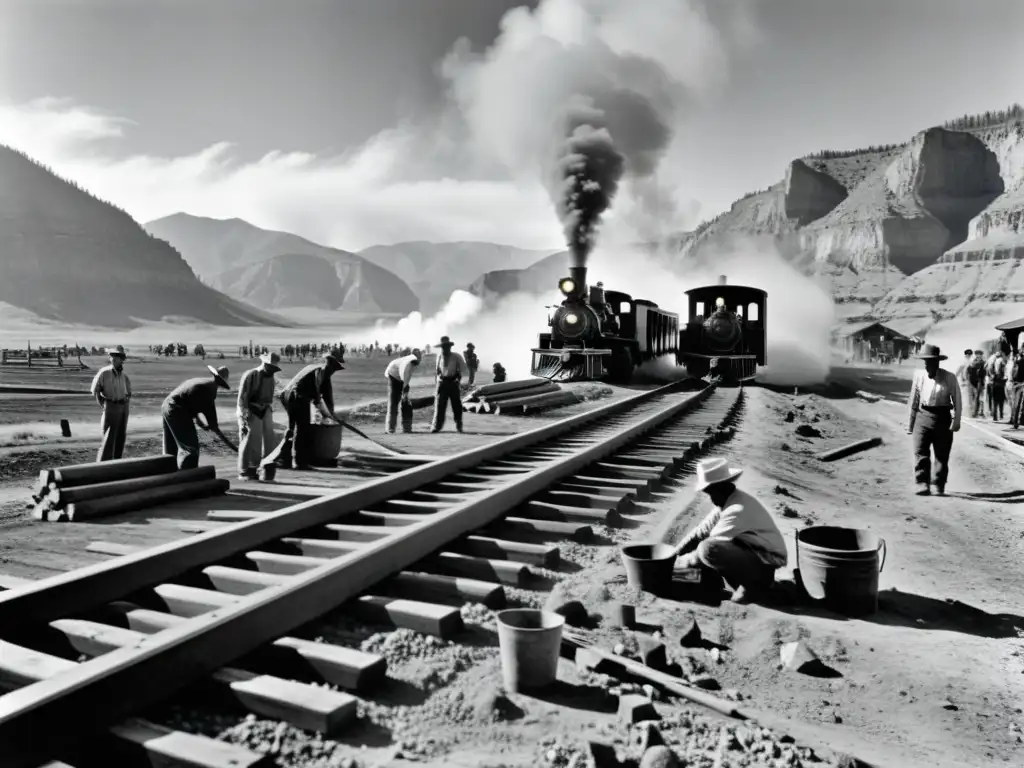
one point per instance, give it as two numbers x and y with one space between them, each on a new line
606 335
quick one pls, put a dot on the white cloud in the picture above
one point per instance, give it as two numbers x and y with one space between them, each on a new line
474 175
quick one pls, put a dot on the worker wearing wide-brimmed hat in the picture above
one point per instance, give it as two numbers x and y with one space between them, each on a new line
934 414
399 376
187 406
113 389
739 539
310 386
255 413
448 376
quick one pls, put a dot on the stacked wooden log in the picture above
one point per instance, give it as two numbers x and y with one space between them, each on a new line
518 398
87 491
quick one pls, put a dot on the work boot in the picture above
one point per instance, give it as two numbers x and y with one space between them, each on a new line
923 490
940 490
389 431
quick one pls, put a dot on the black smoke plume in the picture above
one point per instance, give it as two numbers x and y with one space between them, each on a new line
588 169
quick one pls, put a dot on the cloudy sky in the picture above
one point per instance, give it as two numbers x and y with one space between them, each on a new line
332 118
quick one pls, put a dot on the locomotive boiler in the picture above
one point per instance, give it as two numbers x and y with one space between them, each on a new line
598 334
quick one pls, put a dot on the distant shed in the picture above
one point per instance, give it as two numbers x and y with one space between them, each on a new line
873 341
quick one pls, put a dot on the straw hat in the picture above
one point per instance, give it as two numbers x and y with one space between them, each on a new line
713 471
338 356
221 375
117 351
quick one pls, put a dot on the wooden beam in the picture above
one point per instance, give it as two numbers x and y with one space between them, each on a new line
137 500
305 706
108 471
160 746
97 694
62 496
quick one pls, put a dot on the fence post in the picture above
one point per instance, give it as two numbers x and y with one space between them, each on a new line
28 354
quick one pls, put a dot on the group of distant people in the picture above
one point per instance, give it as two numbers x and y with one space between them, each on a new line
193 404
990 383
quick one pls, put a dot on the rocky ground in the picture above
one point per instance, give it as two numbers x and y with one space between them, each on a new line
935 678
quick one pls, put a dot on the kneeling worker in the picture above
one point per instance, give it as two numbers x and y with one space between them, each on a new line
739 539
181 412
399 374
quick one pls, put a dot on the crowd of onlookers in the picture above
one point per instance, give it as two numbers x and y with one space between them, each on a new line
993 385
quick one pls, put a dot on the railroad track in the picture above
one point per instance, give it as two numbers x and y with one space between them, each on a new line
405 550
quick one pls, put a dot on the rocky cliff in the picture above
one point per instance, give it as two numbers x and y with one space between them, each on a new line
540 278
435 270
67 256
222 251
918 232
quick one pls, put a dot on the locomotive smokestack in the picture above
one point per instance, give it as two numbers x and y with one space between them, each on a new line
722 280
579 276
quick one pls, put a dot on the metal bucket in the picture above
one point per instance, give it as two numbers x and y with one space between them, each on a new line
649 566
530 641
839 567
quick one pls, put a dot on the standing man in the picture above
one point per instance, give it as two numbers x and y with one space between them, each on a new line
975 375
450 366
181 411
739 539
995 375
1016 383
113 389
933 416
399 374
311 386
255 412
472 362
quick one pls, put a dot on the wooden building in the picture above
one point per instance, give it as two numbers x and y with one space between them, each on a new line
874 341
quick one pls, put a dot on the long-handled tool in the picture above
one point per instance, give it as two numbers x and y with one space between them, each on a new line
366 437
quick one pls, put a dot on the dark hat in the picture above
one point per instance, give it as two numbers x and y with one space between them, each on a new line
338 356
470 345
221 375
930 352
272 359
968 351
117 351
445 342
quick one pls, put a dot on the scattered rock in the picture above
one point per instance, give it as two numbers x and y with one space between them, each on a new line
659 757
788 511
620 615
783 491
495 707
652 652
806 430
691 637
797 657
603 755
635 709
646 736
574 611
785 447
707 682
790 417
947 704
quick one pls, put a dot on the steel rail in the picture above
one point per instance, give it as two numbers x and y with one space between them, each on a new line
88 588
105 690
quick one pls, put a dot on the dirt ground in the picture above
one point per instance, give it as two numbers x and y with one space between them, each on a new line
935 678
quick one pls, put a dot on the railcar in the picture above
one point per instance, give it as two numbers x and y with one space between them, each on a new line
599 334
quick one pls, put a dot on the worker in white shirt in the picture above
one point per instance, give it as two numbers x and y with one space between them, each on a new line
113 389
934 415
739 539
448 375
399 374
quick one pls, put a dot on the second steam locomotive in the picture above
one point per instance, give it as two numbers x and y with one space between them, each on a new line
598 334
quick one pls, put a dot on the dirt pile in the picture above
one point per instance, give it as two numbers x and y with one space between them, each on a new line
67 256
249 262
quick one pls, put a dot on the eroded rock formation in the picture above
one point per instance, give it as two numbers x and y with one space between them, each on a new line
810 193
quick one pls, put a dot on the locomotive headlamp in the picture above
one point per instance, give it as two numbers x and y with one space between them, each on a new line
571 319
567 286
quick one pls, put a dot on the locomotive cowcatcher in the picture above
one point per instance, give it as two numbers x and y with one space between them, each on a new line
598 334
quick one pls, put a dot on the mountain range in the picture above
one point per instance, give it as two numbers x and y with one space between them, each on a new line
68 256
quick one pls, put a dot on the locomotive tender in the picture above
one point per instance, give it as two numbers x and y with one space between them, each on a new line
605 335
